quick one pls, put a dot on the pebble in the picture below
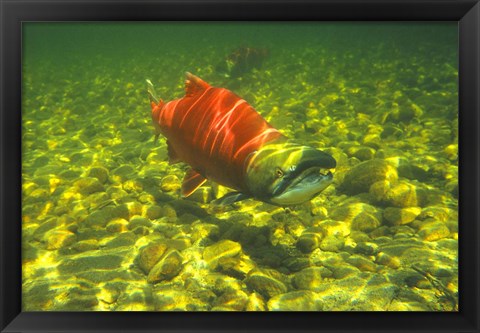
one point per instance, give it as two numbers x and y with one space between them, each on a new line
236 267
96 200
97 219
451 151
379 190
359 178
447 243
220 283
387 260
38 195
122 173
116 193
88 185
295 264
363 264
100 173
78 303
350 210
154 212
308 279
233 299
441 214
398 216
134 208
365 222
150 255
56 239
332 227
382 231
41 161
186 206
146 198
452 187
405 113
187 218
143 231
332 243
44 227
268 256
359 236
29 253
366 248
222 249
170 183
137 221
402 231
91 262
308 241
410 306
434 231
132 186
264 284
341 272
407 169
123 239
180 242
169 212
364 153
255 302
202 231
406 195
86 245
167 268
303 300
117 276
117 226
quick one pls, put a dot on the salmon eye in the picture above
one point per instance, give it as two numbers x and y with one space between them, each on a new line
278 173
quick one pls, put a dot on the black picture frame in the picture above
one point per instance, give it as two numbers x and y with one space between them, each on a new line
14 12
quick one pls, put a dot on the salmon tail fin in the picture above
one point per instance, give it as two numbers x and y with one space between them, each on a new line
152 95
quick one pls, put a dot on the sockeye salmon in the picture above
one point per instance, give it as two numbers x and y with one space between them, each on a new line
242 61
224 139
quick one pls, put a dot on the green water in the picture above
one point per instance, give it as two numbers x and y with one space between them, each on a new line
105 228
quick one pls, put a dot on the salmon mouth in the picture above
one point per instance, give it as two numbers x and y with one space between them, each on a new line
303 187
311 176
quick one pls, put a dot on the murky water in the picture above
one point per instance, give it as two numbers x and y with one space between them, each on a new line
104 223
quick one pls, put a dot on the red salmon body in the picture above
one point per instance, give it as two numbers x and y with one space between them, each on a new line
214 131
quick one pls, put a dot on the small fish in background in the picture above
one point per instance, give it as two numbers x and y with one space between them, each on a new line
242 60
225 140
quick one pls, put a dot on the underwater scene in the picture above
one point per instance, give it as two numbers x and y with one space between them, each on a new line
240 166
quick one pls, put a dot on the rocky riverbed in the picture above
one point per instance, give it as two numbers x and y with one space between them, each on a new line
104 226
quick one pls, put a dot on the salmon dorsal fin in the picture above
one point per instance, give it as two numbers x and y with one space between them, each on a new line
172 155
194 84
191 182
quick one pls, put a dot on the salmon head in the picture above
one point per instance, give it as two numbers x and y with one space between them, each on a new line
285 173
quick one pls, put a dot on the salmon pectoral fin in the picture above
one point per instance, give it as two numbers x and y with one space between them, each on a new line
191 182
172 155
230 198
194 85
